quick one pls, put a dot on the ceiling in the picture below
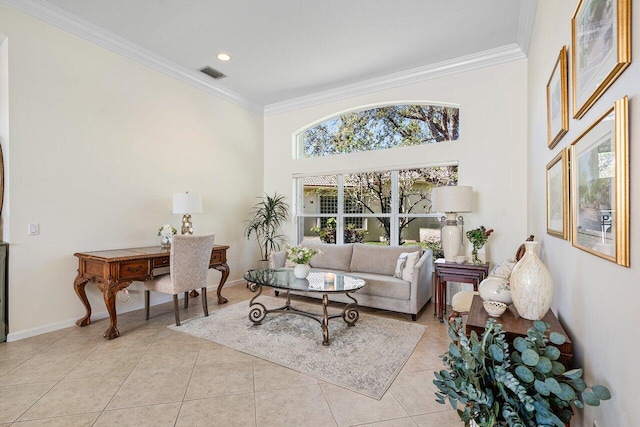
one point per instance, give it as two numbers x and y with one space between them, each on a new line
287 49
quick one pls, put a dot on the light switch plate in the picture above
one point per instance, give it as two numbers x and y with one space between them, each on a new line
34 229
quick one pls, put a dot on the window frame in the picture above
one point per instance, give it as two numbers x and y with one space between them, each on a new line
298 148
394 215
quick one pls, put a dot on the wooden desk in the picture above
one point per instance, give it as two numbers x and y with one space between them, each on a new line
517 327
114 270
463 273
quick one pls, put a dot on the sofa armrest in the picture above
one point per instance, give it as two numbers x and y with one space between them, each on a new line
278 259
421 286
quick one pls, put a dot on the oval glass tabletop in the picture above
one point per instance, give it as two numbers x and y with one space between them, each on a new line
317 281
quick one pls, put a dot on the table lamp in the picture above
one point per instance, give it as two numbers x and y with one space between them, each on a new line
187 204
451 200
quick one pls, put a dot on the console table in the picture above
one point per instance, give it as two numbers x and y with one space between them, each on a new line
514 327
114 270
463 273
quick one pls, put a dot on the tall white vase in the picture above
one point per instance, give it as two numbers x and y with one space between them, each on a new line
531 285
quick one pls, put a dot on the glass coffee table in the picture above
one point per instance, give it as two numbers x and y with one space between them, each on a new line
326 283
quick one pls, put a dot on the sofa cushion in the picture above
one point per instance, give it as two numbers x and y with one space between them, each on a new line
333 257
384 286
378 259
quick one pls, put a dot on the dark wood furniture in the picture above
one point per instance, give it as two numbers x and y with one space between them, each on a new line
517 327
463 273
114 270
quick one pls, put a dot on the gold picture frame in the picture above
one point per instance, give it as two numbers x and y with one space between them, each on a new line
558 100
600 186
600 49
558 195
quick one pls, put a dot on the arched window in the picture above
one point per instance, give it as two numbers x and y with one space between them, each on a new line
379 128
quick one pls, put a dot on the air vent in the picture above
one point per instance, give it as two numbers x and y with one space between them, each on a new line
212 72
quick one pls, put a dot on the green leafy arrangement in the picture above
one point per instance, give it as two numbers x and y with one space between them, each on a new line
478 237
495 386
267 216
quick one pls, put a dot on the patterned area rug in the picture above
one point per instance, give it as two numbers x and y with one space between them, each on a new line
365 358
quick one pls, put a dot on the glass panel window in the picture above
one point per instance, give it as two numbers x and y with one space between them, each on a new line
358 207
380 128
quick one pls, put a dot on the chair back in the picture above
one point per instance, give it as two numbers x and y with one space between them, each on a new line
190 257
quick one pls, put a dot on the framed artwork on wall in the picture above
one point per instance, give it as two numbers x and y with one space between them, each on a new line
558 100
600 186
600 49
558 195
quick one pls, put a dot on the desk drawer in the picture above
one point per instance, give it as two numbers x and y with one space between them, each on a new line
161 262
216 257
132 269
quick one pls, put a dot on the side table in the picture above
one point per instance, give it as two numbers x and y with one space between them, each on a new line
463 273
517 327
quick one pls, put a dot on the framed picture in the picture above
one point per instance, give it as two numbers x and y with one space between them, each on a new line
558 195
558 101
600 49
600 186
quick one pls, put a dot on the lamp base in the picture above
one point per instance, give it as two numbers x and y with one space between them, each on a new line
451 238
187 225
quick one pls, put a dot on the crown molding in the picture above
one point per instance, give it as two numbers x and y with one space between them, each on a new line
526 19
72 24
53 15
461 64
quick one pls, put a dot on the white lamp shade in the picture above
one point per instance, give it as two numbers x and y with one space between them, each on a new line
453 198
187 203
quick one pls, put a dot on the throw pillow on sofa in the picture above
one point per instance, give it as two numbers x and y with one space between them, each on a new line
406 263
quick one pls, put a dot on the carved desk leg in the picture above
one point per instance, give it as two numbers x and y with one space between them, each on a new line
224 269
78 284
109 291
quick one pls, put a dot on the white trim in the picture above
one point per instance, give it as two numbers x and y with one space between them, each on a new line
79 27
526 19
388 168
161 299
510 52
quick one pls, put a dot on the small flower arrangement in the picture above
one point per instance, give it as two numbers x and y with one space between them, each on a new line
300 254
478 237
167 230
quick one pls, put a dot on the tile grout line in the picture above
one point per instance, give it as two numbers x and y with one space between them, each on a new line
57 382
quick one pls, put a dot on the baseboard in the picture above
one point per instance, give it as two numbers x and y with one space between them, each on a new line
103 314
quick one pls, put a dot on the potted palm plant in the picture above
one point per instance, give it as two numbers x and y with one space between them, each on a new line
267 216
492 383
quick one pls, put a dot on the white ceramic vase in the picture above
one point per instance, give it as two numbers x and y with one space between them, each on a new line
495 288
531 285
301 271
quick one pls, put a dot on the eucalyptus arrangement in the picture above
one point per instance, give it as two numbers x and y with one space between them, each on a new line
300 254
493 386
478 237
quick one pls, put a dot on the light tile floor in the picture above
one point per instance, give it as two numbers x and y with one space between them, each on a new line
153 376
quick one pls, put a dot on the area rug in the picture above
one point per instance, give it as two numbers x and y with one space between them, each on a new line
365 358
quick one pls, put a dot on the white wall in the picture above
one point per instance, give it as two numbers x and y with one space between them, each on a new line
98 145
491 150
596 300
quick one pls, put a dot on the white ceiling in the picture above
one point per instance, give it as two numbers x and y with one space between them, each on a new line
286 49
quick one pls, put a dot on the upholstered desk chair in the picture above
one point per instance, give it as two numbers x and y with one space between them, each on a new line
188 265
461 301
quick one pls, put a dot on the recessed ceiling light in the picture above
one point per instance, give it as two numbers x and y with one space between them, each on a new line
223 56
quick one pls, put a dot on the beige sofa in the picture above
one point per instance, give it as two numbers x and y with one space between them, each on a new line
376 265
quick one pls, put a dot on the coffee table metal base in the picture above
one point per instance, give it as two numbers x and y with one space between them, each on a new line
350 313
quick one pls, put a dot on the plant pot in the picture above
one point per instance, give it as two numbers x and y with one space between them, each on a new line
301 271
